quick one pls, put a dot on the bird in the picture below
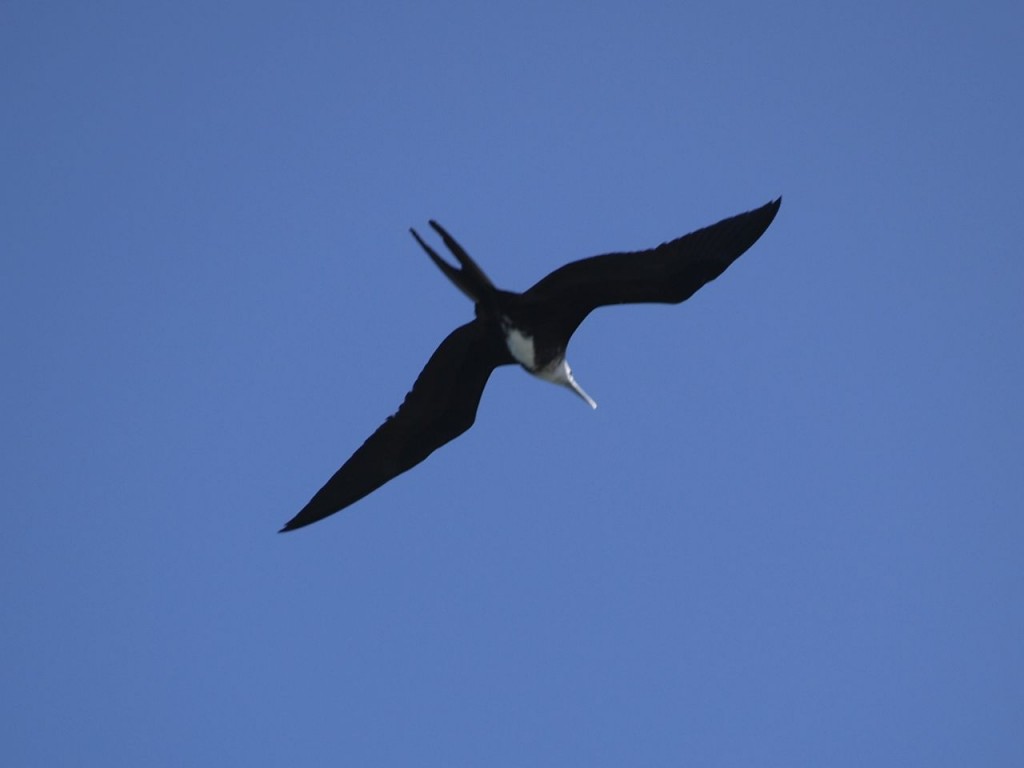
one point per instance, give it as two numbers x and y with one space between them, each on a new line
531 329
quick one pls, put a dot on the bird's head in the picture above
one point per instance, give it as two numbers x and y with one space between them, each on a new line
561 374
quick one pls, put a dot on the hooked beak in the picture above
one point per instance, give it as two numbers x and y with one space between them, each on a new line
570 382
558 372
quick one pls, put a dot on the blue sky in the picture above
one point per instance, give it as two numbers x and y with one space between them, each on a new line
792 533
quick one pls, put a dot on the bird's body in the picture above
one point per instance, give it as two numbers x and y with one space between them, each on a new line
532 329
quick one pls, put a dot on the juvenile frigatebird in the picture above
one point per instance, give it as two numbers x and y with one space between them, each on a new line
532 329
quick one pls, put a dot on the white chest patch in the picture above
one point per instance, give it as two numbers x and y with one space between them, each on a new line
521 347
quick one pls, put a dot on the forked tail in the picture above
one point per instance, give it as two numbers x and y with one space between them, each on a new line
469 279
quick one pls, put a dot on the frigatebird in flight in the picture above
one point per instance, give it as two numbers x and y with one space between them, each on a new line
532 329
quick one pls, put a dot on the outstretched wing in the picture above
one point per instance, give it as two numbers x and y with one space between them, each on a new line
441 406
668 274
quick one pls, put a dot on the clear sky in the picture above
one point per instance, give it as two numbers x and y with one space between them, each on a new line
791 534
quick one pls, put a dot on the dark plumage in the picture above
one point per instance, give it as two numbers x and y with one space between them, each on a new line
533 329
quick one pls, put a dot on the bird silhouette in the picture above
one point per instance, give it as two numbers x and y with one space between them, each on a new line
532 329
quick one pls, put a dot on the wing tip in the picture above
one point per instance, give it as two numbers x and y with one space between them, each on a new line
766 213
301 520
